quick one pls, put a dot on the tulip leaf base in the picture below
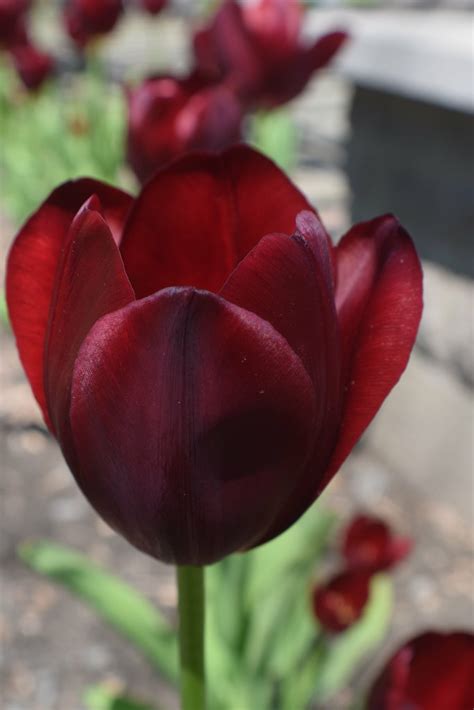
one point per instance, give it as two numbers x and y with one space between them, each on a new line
263 648
191 637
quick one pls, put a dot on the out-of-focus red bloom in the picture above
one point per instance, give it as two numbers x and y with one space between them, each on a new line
12 21
153 6
368 543
204 372
339 603
168 117
434 671
259 45
33 66
85 19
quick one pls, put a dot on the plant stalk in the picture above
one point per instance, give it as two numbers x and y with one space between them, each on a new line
191 637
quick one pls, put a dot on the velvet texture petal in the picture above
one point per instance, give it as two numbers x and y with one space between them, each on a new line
379 304
194 221
221 433
434 671
288 281
91 282
33 261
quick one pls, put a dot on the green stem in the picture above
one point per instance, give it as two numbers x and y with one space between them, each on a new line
191 637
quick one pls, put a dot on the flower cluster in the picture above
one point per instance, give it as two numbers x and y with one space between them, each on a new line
368 547
247 57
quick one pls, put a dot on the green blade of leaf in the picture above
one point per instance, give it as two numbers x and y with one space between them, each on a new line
274 133
98 697
114 601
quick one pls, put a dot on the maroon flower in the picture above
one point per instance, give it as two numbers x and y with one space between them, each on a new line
12 21
260 47
33 66
153 6
368 543
85 19
434 671
168 117
204 373
339 603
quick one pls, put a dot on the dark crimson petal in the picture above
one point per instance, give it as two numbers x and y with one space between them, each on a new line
285 80
433 671
32 65
226 47
369 543
191 417
288 282
379 304
276 24
32 265
195 220
91 282
339 603
324 49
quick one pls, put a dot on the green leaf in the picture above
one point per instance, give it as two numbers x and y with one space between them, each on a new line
4 319
98 697
349 649
115 602
274 133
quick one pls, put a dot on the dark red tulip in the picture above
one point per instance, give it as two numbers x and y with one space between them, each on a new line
168 117
368 543
153 7
86 19
12 21
434 671
205 373
259 46
339 603
33 66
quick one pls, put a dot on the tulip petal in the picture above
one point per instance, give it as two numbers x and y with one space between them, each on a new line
198 218
91 282
33 261
379 303
288 281
190 417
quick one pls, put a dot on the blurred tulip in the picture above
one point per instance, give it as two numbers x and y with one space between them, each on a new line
85 19
339 603
368 543
153 6
33 66
205 373
259 45
434 671
168 117
12 25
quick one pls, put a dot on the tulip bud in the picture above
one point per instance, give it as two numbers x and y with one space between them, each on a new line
169 117
32 65
12 21
369 544
339 603
433 671
153 7
85 19
258 47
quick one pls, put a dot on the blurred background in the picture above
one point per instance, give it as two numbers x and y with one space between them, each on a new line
387 126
